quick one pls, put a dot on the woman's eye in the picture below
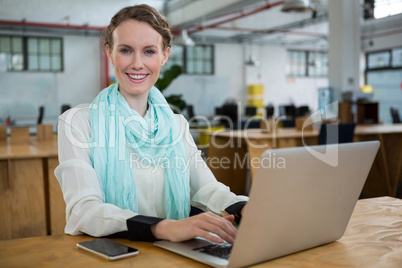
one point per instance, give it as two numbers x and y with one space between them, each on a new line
149 52
125 50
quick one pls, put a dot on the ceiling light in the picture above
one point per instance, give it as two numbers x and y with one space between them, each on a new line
252 62
183 39
297 5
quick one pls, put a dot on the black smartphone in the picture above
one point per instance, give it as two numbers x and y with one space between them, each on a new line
108 249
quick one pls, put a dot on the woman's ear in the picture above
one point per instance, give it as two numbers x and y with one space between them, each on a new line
109 54
165 56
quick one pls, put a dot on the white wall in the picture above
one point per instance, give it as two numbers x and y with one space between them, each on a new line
229 60
81 80
24 92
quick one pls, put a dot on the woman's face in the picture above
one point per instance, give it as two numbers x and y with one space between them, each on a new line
137 56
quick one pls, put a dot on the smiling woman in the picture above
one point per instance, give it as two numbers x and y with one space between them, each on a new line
137 55
130 122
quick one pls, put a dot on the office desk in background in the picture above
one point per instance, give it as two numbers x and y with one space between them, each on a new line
241 148
31 202
373 238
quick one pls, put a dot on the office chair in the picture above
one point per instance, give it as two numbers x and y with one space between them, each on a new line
65 107
302 111
255 123
41 113
287 123
190 113
289 111
328 133
251 122
270 110
395 115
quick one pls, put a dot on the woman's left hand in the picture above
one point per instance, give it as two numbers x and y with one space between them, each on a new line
201 225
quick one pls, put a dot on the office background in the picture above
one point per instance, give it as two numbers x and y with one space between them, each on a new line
253 48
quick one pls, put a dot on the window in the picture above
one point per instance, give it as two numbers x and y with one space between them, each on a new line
296 63
385 8
378 60
32 53
317 64
306 63
386 59
378 9
397 57
199 60
383 73
13 49
192 60
175 58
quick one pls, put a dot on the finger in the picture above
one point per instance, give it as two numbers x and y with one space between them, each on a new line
211 237
222 228
219 231
229 218
228 223
215 224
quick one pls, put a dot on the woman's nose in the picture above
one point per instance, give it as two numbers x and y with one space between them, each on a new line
137 62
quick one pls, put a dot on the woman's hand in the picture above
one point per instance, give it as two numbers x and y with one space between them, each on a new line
201 225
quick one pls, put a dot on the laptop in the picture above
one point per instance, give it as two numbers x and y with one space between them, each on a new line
300 198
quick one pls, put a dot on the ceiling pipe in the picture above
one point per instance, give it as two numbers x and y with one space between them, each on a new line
60 25
304 33
273 31
242 14
51 25
381 34
237 29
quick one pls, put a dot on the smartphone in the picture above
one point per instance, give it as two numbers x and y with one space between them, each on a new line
108 249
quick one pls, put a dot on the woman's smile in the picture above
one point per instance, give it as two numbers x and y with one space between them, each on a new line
137 78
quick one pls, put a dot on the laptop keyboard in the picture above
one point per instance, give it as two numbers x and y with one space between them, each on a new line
217 250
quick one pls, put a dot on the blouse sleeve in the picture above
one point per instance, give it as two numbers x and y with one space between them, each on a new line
206 192
85 210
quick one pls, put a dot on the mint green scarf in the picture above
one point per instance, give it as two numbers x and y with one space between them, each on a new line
156 139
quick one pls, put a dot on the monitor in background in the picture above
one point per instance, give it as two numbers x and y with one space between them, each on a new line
302 111
229 115
287 110
269 111
251 111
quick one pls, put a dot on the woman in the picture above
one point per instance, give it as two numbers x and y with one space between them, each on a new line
128 165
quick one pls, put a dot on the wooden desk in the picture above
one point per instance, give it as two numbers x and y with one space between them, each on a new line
373 238
31 202
242 148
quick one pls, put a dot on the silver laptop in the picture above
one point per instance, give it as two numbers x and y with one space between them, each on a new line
300 198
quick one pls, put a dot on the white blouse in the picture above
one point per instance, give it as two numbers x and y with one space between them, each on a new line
85 210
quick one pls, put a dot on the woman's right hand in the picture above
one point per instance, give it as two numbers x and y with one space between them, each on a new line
201 225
